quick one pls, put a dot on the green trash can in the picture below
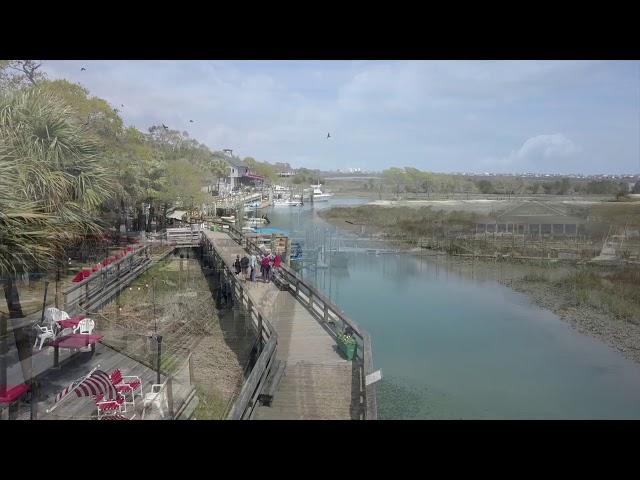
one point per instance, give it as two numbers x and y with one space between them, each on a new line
347 345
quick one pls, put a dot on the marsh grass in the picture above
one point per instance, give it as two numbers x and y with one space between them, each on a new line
615 293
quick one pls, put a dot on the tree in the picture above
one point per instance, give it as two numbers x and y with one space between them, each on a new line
485 186
52 182
396 177
28 74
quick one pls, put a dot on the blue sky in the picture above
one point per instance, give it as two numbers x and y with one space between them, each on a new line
443 116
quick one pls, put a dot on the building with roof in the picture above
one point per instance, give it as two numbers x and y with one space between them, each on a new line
531 218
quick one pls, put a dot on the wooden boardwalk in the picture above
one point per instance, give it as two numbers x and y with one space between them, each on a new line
318 383
53 381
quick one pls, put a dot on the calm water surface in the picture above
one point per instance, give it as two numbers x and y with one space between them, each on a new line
451 346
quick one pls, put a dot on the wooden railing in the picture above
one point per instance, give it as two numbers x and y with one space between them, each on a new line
331 316
266 341
184 236
91 292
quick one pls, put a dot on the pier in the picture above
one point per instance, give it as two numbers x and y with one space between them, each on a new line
299 373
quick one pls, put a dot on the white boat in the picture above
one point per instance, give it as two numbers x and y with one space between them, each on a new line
255 204
286 203
254 220
229 219
318 195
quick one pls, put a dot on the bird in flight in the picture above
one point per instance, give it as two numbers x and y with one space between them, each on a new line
122 104
328 135
190 121
82 69
165 127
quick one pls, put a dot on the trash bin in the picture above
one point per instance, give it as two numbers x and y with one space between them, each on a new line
347 345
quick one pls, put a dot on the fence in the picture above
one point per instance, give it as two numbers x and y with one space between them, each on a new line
184 236
91 292
266 342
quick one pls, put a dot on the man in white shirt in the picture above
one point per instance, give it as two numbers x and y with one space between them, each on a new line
252 265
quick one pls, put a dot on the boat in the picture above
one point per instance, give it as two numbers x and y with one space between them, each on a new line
254 220
256 204
229 219
287 203
318 195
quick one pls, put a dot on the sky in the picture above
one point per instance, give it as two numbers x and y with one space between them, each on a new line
442 116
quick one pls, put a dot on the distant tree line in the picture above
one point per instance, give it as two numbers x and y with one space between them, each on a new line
413 181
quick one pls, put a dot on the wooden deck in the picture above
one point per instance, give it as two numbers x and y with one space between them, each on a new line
318 383
53 381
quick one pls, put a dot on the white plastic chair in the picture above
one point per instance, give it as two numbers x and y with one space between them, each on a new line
155 397
43 333
53 314
85 326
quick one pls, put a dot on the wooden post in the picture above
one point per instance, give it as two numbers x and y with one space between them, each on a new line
169 388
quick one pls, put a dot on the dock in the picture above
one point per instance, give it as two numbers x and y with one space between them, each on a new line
298 327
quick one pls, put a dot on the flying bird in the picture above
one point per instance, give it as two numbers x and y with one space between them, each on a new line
328 135
122 104
165 127
82 69
190 121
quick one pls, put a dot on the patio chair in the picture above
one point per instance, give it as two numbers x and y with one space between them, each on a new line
85 326
53 315
43 333
110 407
127 384
156 398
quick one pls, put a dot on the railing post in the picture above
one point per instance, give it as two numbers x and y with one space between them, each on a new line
169 388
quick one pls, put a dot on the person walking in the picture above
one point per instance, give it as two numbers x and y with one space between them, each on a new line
252 265
244 266
265 268
277 261
236 264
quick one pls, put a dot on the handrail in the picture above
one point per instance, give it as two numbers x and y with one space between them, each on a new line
246 400
329 310
104 279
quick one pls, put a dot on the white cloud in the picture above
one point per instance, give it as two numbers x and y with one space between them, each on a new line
442 115
547 146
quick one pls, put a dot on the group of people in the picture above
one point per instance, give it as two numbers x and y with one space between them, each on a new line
248 265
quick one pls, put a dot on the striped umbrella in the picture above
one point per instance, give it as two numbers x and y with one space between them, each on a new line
95 383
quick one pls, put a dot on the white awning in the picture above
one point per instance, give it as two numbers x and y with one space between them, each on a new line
177 214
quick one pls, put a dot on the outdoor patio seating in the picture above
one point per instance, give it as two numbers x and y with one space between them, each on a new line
155 398
85 326
127 384
110 407
43 333
53 315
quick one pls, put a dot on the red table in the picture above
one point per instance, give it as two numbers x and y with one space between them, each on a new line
74 340
70 322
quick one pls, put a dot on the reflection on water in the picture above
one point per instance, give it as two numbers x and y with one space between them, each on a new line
454 346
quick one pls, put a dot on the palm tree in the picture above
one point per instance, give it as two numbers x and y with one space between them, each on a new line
51 184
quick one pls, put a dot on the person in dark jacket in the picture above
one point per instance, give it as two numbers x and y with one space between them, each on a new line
244 266
236 264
